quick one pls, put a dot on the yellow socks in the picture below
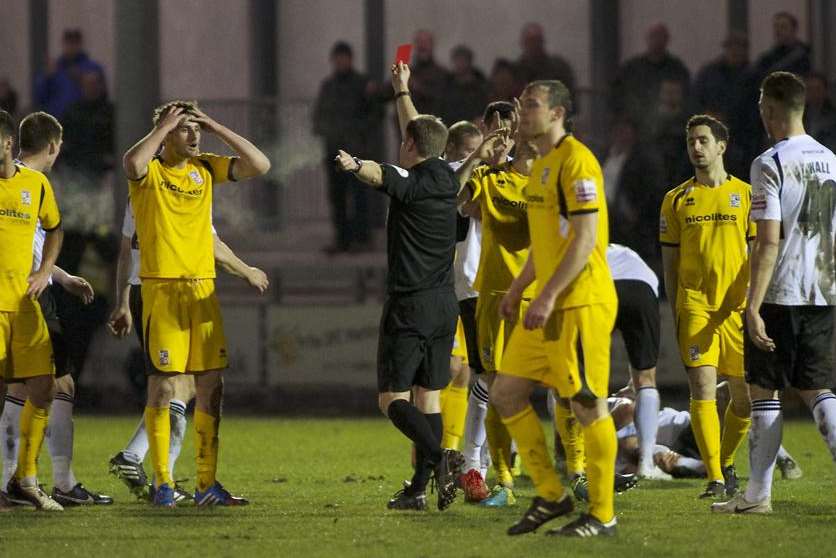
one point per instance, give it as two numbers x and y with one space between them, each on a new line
206 448
734 430
525 428
601 447
158 428
499 444
706 426
453 415
33 422
571 436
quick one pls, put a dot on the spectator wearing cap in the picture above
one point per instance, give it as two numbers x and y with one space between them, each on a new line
345 116
637 83
61 85
466 93
535 63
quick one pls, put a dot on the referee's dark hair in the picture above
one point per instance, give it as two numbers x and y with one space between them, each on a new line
7 125
786 89
37 130
461 130
429 134
558 95
718 129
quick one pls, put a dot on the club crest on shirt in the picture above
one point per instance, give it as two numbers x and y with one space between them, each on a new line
694 353
164 361
585 190
734 200
196 178
690 202
25 197
545 176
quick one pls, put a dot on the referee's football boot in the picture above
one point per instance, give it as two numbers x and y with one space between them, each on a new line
541 511
132 474
79 496
713 490
584 527
31 496
407 499
164 496
217 495
446 471
730 478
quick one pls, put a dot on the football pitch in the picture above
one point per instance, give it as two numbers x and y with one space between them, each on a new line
319 488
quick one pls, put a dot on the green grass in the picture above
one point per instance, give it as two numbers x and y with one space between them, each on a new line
319 488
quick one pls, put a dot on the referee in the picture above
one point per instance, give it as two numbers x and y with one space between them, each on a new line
419 316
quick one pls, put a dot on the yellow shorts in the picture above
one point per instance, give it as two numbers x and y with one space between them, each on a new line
459 343
182 326
493 331
709 338
25 347
571 354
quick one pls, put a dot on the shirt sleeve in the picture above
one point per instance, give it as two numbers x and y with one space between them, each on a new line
475 184
398 183
48 212
128 224
581 184
151 175
668 223
766 188
220 167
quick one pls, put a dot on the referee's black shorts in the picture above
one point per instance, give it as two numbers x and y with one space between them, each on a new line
638 322
467 312
416 339
803 355
49 308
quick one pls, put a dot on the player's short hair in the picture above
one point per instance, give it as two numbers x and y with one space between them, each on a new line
37 130
7 125
429 134
786 89
558 95
461 130
504 108
789 17
718 129
189 106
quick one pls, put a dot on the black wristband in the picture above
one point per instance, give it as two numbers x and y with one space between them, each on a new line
400 94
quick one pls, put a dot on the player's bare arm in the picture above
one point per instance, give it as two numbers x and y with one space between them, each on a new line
232 264
39 279
584 226
403 101
510 303
77 286
368 172
670 263
762 265
120 321
251 162
136 159
495 143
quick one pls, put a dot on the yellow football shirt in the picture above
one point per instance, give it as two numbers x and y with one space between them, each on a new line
173 212
710 226
568 181
505 241
24 198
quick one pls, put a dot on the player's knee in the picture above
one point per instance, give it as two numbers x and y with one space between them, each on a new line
160 390
644 378
462 378
588 408
41 391
65 385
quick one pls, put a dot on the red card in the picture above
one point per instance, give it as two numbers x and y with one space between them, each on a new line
404 54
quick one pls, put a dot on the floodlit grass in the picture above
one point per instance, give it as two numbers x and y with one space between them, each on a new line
319 488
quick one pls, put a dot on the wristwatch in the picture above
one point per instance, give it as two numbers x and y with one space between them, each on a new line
359 165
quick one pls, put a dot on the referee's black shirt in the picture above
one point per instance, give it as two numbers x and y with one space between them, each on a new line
421 228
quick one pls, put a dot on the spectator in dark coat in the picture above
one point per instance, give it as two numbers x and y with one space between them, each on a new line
344 116
428 78
89 130
8 97
669 135
819 113
466 94
719 85
535 63
636 86
503 84
61 86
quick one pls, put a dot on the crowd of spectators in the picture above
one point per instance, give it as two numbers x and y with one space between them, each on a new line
649 101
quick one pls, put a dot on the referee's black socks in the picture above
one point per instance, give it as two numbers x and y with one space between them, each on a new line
425 431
